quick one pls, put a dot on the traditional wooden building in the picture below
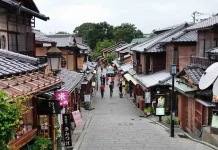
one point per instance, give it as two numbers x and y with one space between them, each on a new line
16 22
21 74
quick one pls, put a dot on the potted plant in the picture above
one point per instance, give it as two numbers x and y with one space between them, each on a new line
148 110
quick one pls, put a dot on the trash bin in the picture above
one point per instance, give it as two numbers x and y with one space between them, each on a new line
141 103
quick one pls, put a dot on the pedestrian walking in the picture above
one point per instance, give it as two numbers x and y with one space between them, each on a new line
130 89
102 90
111 87
103 80
112 78
107 78
120 89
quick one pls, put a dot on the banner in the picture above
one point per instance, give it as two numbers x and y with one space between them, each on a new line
46 107
160 101
62 96
80 63
66 128
87 98
77 118
147 97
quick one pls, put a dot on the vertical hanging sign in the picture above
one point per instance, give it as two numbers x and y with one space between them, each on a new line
62 96
66 129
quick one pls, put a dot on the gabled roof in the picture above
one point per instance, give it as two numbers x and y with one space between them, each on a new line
139 40
153 79
191 36
89 65
125 47
70 78
125 67
14 4
13 63
193 72
114 47
152 45
66 40
41 37
205 24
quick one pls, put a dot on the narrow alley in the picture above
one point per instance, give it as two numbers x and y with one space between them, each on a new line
116 124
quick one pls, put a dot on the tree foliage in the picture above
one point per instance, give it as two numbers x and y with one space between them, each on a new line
111 56
126 32
62 32
42 143
10 114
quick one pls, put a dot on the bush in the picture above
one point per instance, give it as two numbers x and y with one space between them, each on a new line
148 109
42 143
167 121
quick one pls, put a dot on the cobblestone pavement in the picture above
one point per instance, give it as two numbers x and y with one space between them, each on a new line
116 125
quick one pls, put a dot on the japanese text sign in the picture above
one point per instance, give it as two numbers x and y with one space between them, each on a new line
66 128
147 97
62 96
77 118
45 107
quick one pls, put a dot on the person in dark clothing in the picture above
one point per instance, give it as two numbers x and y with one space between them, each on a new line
120 88
103 80
111 86
101 77
130 89
102 90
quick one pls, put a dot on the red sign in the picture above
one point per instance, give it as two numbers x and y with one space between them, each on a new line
77 118
62 96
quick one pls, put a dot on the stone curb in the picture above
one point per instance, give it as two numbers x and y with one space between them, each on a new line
205 143
79 142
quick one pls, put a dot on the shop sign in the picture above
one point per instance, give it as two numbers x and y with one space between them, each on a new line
46 107
77 118
62 96
215 98
87 98
66 128
80 63
147 97
160 110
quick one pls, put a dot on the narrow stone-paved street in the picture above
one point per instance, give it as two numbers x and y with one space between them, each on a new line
116 124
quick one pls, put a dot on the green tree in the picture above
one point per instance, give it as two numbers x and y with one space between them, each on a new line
126 32
62 32
9 117
111 57
100 46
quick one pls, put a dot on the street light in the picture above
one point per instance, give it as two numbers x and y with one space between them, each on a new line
54 57
172 118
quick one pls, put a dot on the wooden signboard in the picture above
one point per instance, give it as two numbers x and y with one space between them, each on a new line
80 63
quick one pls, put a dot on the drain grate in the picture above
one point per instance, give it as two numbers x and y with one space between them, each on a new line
183 136
125 124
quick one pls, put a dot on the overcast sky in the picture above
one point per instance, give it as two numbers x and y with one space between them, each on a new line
147 15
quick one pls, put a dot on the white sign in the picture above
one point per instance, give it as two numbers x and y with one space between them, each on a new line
160 111
147 97
87 98
214 121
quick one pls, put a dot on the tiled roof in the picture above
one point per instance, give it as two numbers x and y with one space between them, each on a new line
28 84
139 40
15 4
132 71
173 36
114 47
116 62
125 67
13 63
125 56
90 65
191 36
125 47
213 50
70 79
151 44
208 23
153 79
66 40
41 37
193 72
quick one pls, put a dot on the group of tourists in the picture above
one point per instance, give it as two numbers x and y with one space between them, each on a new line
102 87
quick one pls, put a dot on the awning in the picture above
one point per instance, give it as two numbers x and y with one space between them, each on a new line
183 88
205 103
93 84
130 78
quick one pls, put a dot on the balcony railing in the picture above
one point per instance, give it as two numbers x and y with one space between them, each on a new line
137 68
202 62
23 140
